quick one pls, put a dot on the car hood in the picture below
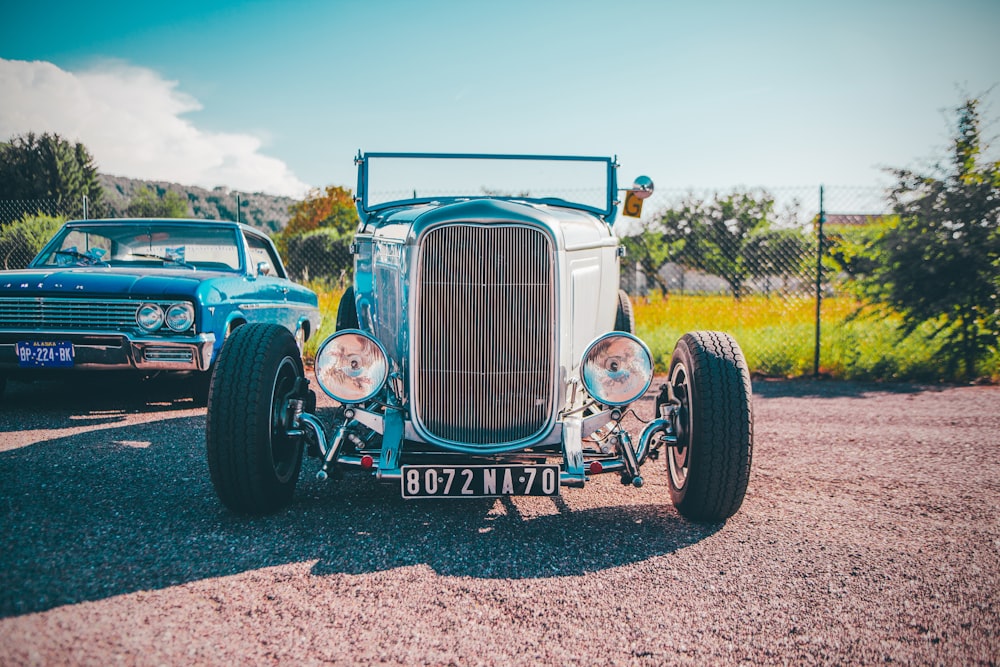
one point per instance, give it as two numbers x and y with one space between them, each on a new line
569 228
103 281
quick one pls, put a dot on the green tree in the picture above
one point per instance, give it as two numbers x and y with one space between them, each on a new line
940 263
22 239
146 204
330 208
651 249
780 253
322 254
722 231
48 167
729 236
852 249
314 243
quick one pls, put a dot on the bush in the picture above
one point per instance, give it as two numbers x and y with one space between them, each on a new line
22 239
323 254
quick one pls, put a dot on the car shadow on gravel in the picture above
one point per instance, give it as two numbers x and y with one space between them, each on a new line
126 508
822 388
492 539
102 391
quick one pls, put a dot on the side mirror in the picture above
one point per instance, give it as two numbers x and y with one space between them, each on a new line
642 187
264 269
640 190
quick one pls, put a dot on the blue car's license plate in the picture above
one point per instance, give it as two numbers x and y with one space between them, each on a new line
44 353
480 481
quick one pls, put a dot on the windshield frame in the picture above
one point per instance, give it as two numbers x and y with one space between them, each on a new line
365 207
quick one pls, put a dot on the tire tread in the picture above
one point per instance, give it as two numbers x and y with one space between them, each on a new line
722 454
238 420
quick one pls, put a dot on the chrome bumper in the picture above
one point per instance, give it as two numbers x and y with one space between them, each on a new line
577 464
104 351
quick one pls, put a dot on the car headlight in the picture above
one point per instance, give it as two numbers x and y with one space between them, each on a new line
351 366
180 316
149 316
617 369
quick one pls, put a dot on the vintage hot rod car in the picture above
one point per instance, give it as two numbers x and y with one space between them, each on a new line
146 296
485 349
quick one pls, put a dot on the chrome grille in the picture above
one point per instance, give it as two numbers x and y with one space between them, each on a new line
485 346
25 313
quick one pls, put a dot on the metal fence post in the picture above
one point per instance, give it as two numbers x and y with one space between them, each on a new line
85 207
819 279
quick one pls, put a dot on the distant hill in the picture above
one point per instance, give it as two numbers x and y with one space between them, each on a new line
266 212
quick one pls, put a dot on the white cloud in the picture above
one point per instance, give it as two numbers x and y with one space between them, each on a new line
131 121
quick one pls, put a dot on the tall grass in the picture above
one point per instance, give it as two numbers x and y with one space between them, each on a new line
778 337
329 300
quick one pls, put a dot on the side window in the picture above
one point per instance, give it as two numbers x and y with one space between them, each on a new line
261 251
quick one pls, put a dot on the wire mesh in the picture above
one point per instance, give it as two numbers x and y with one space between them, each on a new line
721 271
749 261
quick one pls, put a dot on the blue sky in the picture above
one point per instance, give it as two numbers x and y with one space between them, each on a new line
278 96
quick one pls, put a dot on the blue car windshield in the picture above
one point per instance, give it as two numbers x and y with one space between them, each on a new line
144 244
386 179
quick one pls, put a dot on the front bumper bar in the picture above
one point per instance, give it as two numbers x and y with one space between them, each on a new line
96 350
385 464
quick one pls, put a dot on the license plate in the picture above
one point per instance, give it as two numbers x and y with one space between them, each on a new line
44 353
480 481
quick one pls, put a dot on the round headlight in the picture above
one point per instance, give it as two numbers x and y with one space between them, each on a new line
149 316
180 316
351 366
617 369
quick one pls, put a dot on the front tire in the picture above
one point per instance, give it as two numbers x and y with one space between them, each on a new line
624 317
347 312
709 469
253 463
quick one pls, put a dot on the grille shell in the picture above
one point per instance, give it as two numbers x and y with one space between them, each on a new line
484 357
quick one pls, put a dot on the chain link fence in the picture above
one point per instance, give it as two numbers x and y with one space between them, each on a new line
752 260
778 258
26 224
703 251
12 210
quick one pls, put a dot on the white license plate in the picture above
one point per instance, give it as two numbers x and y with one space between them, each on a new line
486 481
44 353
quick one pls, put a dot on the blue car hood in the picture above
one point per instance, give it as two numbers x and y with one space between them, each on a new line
104 282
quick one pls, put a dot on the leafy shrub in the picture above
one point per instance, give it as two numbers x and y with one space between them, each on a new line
323 254
22 239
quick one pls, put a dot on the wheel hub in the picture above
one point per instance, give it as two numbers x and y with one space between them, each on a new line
283 452
678 456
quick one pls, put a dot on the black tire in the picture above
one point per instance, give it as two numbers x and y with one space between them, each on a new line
624 318
347 312
709 470
253 463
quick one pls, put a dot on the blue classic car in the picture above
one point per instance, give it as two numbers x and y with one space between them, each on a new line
144 295
485 349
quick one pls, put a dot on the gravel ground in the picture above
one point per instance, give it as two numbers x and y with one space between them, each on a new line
869 534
